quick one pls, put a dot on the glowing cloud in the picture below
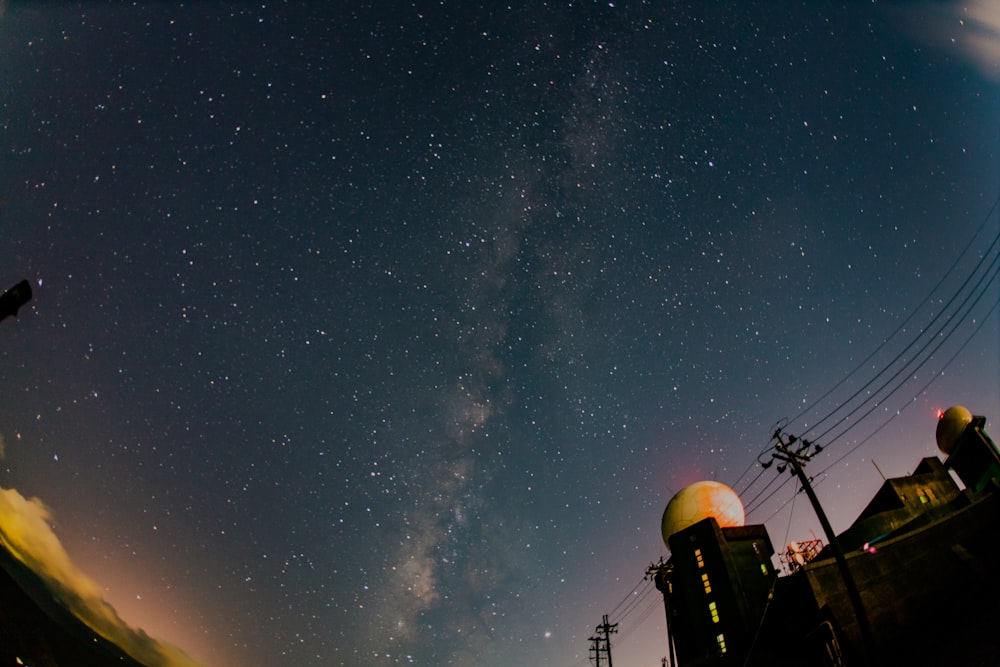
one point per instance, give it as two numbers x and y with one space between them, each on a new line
25 532
971 30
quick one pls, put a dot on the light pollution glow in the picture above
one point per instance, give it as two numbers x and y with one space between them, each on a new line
26 533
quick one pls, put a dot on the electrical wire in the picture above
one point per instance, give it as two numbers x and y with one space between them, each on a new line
633 603
751 510
654 604
635 597
893 416
981 289
751 502
927 299
922 390
986 280
628 599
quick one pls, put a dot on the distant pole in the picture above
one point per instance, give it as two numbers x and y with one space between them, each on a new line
601 641
608 630
795 459
660 573
595 649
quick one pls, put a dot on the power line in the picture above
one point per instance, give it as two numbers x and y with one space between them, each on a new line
635 597
913 313
922 390
981 288
635 601
601 642
628 597
753 505
943 334
986 318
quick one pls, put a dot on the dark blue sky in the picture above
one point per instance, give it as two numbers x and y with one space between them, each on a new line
382 334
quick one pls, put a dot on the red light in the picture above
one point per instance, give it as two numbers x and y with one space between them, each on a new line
940 413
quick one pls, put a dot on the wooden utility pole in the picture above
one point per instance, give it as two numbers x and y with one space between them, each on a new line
607 630
661 573
600 643
796 459
595 650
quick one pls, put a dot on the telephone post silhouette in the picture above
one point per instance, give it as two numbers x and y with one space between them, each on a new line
600 642
796 459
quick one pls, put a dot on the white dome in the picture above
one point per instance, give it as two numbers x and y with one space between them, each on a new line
951 426
699 501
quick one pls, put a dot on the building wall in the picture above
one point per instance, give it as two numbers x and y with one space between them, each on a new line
718 585
926 581
898 503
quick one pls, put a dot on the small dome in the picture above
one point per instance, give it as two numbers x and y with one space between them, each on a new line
699 501
951 426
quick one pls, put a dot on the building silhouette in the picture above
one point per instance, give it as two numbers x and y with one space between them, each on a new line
923 555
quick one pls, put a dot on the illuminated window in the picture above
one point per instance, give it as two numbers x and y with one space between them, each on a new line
714 611
701 560
706 583
721 639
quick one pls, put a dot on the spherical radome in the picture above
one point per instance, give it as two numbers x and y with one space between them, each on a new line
950 427
699 501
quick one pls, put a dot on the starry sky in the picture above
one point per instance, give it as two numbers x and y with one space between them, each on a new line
382 333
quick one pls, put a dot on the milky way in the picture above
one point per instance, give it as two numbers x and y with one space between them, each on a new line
382 334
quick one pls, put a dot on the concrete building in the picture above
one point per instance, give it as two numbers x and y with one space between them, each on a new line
922 555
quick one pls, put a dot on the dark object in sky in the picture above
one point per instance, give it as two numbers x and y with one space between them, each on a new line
14 298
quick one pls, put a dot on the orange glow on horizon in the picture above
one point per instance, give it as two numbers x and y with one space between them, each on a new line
25 531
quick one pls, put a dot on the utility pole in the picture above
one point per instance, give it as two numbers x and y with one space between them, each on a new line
600 643
595 650
660 573
796 459
608 630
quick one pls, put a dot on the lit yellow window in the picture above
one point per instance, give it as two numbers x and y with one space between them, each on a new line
721 639
714 611
701 560
706 583
763 569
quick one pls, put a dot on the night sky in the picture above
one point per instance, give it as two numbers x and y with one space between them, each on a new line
382 334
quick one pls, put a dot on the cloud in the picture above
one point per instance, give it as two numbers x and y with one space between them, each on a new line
982 42
970 30
25 532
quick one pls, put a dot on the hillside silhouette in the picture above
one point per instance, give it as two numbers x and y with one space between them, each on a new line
36 630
